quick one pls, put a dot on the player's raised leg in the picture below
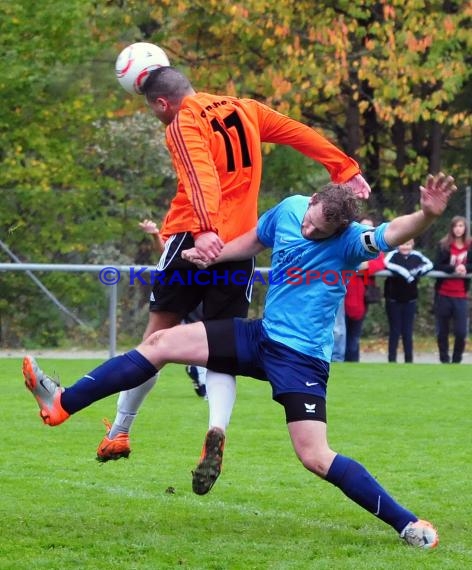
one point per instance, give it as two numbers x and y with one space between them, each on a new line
228 340
182 344
211 459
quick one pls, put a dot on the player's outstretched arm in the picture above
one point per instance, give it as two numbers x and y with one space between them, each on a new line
435 195
243 247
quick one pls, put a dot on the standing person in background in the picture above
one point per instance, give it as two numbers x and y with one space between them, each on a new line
355 305
454 255
215 143
401 294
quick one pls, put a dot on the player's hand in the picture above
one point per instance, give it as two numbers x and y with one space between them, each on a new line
359 186
149 227
208 246
193 256
435 194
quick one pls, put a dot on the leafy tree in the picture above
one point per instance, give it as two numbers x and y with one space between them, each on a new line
384 78
59 201
388 80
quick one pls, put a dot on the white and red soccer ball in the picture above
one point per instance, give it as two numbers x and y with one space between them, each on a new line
135 63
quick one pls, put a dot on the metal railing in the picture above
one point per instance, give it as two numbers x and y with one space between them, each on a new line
113 288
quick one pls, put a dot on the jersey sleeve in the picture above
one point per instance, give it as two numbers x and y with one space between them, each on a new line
277 128
364 243
266 226
196 171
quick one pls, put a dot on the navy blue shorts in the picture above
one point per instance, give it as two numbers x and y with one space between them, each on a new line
241 347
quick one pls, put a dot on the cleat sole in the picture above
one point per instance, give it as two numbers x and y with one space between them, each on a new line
208 470
113 456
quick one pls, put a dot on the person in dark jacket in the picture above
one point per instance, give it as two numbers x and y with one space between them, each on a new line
401 293
454 255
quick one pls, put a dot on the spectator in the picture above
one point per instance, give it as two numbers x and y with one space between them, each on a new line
355 304
454 255
150 227
401 294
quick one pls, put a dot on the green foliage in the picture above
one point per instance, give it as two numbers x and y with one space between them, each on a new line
383 79
287 172
51 52
29 319
81 161
130 156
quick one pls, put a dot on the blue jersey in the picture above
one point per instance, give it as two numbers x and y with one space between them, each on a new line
308 278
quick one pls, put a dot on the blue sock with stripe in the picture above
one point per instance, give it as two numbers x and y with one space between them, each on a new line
119 373
361 487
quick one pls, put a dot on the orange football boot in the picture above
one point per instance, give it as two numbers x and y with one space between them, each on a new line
113 449
46 391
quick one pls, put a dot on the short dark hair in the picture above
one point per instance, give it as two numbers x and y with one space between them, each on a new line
340 205
168 83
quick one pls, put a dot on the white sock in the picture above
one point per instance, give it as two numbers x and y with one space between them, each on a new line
201 375
128 405
221 393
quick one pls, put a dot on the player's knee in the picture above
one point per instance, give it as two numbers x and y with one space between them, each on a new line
313 465
317 463
158 342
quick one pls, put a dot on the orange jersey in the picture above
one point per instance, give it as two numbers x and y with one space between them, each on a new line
215 145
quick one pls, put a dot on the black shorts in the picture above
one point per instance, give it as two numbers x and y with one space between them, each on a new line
224 289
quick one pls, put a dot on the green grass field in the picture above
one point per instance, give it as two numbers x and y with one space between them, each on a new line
409 424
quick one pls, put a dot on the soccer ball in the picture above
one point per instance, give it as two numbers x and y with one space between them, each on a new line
136 62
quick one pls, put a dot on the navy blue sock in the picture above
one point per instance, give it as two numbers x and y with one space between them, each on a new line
359 485
119 373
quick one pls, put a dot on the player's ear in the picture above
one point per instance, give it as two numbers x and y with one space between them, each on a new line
163 104
314 199
158 104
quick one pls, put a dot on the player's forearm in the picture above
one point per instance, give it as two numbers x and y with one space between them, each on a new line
284 130
243 247
404 228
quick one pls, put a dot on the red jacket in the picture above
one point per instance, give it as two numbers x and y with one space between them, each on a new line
354 302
